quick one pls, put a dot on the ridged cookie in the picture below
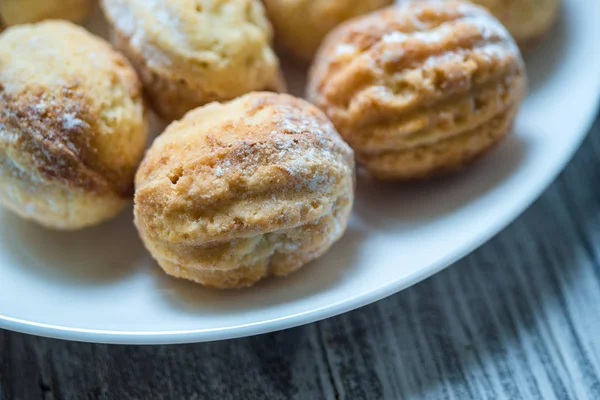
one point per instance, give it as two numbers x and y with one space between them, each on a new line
72 126
301 25
235 192
420 89
190 52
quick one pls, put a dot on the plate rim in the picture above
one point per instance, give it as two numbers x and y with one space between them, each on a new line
294 320
347 304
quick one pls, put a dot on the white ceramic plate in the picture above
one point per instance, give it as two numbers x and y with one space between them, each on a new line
100 285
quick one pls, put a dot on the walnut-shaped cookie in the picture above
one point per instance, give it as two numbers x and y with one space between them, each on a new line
72 125
419 89
237 191
189 52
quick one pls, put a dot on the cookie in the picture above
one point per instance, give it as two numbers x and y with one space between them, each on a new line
72 125
189 53
420 89
237 191
301 25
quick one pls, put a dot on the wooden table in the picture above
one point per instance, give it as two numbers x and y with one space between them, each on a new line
517 319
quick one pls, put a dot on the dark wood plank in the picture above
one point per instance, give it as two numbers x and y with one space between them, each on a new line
517 319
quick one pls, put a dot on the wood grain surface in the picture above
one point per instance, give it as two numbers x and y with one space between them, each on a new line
517 319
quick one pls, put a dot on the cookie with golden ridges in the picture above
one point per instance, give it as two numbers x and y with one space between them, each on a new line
301 25
526 20
237 191
15 12
72 125
191 52
420 89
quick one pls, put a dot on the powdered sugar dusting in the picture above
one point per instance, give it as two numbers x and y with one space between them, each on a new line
70 121
128 23
7 135
431 36
395 37
487 26
345 49
41 106
497 42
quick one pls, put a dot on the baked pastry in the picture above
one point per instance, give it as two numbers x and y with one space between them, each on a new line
72 126
301 25
189 53
526 20
238 191
14 12
419 89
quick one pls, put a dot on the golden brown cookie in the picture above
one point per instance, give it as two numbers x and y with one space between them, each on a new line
14 12
419 89
189 52
301 25
526 20
72 126
235 192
